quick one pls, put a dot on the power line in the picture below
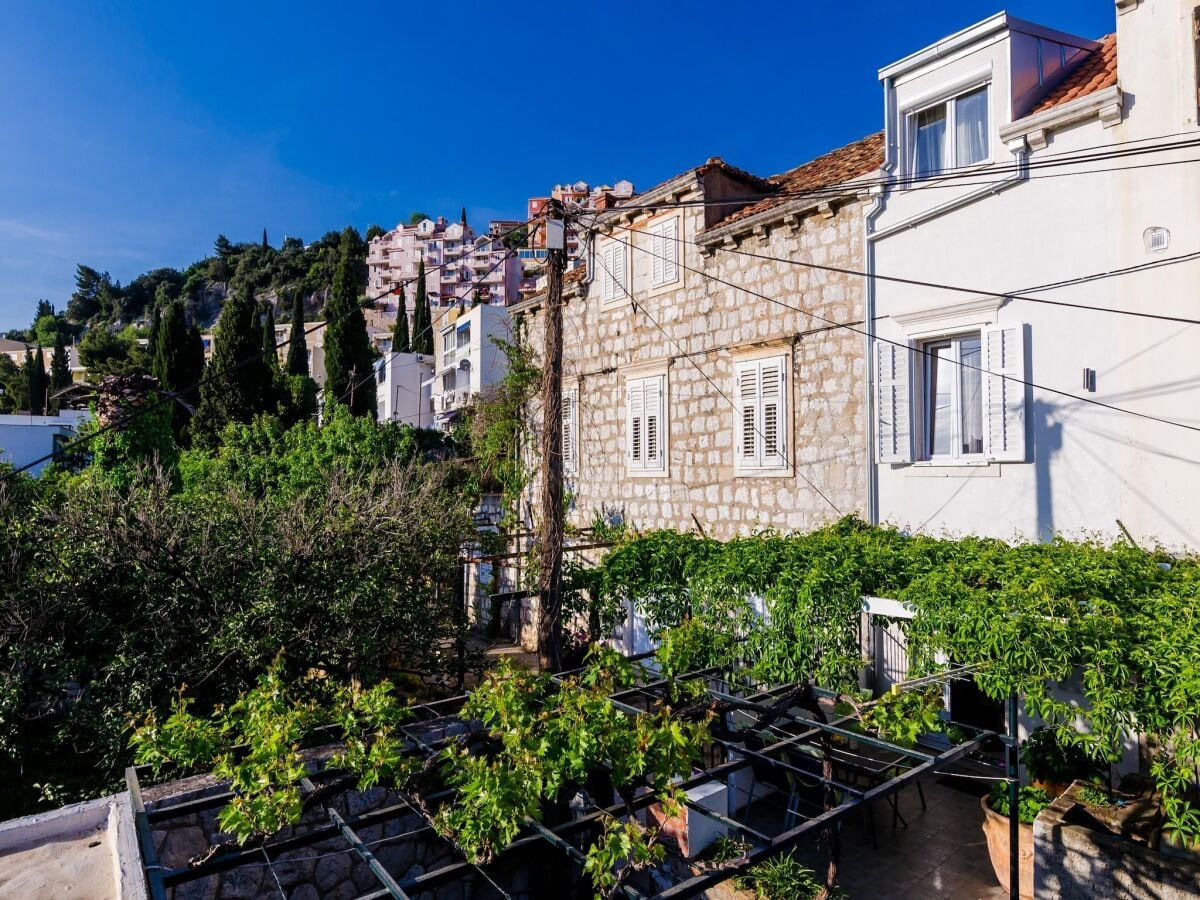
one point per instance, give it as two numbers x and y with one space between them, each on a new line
951 178
638 308
125 420
906 346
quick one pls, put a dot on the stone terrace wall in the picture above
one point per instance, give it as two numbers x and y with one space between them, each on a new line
708 327
321 871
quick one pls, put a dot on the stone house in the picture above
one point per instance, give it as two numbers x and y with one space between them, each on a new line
703 387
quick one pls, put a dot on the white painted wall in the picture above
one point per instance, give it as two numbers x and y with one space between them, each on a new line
1087 466
402 389
26 438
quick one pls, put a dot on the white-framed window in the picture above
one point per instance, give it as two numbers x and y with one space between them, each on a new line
949 134
664 252
645 425
761 426
570 431
612 271
954 398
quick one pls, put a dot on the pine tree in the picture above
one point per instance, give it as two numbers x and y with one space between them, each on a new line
422 328
60 364
349 362
239 387
400 339
297 355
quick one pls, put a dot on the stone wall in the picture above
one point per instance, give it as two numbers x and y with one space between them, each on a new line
1075 862
694 332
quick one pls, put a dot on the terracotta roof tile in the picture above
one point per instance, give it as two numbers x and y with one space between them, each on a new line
827 170
1097 71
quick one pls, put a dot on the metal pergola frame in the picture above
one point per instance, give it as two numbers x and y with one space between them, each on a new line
799 731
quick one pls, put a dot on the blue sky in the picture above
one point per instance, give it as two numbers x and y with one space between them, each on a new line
134 133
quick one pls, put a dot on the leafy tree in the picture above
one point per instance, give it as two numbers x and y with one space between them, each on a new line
103 353
37 382
349 359
155 288
14 393
374 231
239 386
60 365
422 325
297 355
400 339
416 217
517 238
141 431
44 308
292 244
85 301
47 328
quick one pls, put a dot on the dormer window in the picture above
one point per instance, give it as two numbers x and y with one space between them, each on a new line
949 134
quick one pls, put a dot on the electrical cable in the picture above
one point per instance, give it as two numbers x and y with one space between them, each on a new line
904 345
716 387
125 420
951 178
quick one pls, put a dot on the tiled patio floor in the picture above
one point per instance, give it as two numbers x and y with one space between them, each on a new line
942 853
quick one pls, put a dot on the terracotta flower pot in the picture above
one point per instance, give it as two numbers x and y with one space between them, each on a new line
995 829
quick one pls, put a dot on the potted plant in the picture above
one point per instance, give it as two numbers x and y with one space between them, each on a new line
1031 801
1052 765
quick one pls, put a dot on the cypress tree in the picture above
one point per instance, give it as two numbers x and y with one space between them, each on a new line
174 364
400 340
234 394
36 381
349 361
297 356
422 329
270 353
265 245
60 364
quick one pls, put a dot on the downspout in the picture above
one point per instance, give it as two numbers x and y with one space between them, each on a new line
878 204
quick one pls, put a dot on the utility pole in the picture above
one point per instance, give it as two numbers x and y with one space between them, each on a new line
550 537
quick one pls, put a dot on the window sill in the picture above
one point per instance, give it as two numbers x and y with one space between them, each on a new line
646 473
954 468
914 181
785 472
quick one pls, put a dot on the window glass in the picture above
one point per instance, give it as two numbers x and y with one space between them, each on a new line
971 122
940 363
971 394
931 140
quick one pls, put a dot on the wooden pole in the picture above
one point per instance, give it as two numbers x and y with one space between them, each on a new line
550 534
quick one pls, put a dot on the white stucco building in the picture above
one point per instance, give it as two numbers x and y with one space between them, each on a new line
999 414
468 361
24 438
402 389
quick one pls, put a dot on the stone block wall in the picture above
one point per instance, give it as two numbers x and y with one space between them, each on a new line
1074 862
695 332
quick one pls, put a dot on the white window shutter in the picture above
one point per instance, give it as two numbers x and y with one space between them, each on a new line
652 402
606 263
773 417
670 251
636 414
569 449
657 256
1004 392
747 441
893 418
618 269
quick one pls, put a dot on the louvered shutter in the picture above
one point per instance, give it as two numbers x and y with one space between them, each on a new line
652 408
657 256
773 418
747 429
893 432
1004 397
618 269
636 417
670 251
569 449
606 263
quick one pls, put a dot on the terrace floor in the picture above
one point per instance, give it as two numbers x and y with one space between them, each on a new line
942 853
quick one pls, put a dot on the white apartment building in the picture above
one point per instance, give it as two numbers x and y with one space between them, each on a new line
468 361
402 389
458 264
996 411
24 439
